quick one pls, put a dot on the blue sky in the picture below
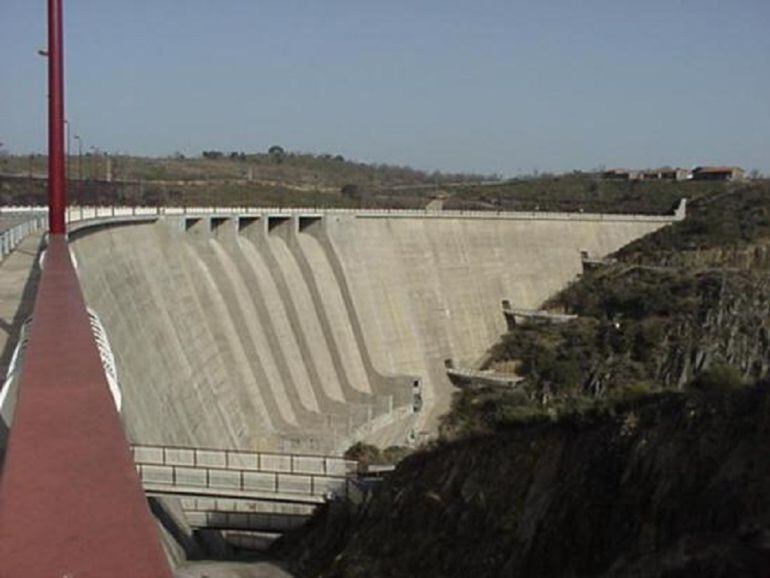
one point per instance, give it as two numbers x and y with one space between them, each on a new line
489 86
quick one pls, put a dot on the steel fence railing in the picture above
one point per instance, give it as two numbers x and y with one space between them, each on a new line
11 237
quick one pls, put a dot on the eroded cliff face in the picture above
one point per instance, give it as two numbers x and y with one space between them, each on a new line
662 326
672 485
729 326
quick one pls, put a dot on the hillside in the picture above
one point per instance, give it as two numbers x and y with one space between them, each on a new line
633 447
300 179
225 179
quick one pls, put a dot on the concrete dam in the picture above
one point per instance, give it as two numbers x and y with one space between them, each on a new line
304 331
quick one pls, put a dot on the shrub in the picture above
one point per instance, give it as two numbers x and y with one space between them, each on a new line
719 377
631 391
394 454
522 414
351 190
364 454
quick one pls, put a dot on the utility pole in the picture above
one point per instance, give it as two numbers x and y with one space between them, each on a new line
57 184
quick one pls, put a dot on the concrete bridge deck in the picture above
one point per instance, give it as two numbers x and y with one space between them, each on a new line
230 490
243 514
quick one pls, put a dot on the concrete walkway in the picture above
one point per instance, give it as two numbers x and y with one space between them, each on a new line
18 285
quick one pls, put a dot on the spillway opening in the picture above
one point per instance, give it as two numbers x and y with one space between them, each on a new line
191 222
276 224
247 223
309 223
249 227
217 222
220 226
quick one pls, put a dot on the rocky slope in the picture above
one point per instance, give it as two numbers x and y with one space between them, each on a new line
673 485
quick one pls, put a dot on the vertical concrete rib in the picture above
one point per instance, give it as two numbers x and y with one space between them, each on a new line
277 257
208 341
295 376
317 254
167 354
330 310
258 313
254 339
328 392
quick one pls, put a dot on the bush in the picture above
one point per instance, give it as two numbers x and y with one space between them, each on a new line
351 190
720 377
364 454
367 454
632 391
522 414
394 454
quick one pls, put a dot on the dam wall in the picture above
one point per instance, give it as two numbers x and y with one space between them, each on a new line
426 290
305 332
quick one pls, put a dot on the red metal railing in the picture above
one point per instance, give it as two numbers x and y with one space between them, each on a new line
71 503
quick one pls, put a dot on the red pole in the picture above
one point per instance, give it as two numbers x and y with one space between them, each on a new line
56 168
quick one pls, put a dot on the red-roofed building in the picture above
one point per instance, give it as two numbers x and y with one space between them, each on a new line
718 174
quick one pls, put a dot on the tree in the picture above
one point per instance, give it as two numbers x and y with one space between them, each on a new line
276 153
351 190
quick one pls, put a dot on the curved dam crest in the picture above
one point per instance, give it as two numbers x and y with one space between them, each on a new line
307 332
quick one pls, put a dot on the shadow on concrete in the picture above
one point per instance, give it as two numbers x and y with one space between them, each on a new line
191 548
26 306
25 309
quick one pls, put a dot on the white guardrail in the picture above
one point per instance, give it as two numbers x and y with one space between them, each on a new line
242 474
10 391
11 237
106 356
77 213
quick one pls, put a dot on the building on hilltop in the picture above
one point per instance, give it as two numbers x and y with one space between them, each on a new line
665 173
669 174
621 174
718 174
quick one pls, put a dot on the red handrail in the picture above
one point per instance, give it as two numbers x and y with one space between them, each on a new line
71 503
